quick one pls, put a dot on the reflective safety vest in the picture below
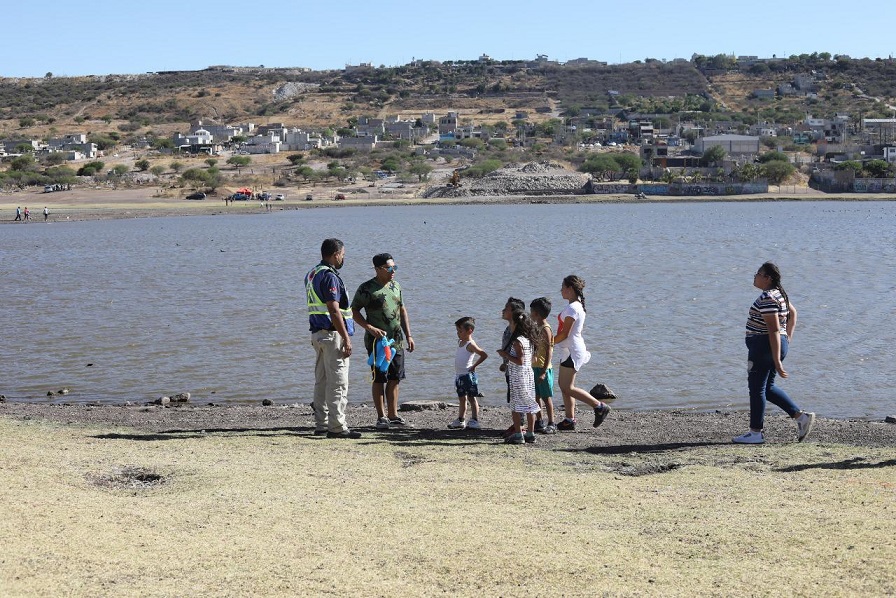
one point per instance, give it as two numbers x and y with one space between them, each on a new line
316 305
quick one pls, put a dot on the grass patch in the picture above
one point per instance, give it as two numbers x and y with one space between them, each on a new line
283 513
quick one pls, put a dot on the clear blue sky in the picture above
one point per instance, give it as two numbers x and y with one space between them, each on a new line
97 37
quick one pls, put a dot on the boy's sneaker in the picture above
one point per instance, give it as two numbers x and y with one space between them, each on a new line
473 424
550 429
750 437
515 438
600 414
458 424
567 425
540 426
804 425
382 424
529 437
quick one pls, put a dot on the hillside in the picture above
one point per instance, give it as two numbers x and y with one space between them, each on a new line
157 104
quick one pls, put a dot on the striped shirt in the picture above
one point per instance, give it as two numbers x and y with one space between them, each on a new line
769 302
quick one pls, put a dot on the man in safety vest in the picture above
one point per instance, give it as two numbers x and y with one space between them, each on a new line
331 330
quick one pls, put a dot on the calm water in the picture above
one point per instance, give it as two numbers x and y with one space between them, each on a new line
213 305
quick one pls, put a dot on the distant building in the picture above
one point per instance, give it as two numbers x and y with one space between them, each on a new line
732 144
448 123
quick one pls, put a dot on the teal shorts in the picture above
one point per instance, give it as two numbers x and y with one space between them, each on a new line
544 390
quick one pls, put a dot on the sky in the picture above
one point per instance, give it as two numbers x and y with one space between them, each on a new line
100 37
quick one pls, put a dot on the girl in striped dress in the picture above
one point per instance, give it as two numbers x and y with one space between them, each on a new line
518 353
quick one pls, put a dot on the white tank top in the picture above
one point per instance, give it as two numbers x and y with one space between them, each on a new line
463 359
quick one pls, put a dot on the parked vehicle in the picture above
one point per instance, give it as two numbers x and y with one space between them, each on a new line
239 197
279 197
309 197
197 195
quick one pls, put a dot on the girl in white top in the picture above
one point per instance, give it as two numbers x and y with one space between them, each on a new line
569 343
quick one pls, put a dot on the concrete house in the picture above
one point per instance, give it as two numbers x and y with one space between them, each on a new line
448 123
732 144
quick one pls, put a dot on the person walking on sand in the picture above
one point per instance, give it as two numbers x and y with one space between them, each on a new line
466 359
18 214
518 354
770 326
27 214
46 214
385 316
331 331
574 354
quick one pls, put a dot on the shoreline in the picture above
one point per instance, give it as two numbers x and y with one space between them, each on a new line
80 205
632 428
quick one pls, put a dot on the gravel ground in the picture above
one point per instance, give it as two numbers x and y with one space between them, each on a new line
623 432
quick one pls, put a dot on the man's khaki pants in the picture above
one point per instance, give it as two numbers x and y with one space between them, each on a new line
330 381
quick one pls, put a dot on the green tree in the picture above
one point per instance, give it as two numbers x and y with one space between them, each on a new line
295 159
157 170
421 169
481 169
176 166
239 161
23 163
853 165
879 169
777 171
391 164
601 166
713 156
118 171
211 162
142 165
91 168
772 157
55 159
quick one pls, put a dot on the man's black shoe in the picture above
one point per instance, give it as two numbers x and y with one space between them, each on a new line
344 434
320 432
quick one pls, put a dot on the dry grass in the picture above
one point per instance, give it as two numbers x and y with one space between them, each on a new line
278 513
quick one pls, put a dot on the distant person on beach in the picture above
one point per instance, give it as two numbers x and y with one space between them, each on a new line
466 359
27 214
539 310
518 355
770 326
574 354
18 214
46 214
385 316
331 331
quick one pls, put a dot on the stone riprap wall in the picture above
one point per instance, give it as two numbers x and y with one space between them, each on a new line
532 179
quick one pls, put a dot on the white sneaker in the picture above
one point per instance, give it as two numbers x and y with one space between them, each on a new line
458 424
382 423
473 424
804 425
750 437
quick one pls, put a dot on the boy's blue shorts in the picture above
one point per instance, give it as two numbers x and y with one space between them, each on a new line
466 385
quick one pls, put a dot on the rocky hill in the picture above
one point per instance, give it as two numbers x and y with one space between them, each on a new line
486 92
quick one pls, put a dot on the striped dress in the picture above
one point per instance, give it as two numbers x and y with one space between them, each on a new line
522 380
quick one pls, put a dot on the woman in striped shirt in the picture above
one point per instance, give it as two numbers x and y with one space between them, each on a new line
770 327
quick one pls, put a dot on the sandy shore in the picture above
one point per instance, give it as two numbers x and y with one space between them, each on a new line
106 204
244 500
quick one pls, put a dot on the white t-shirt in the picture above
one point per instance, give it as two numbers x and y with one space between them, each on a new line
574 345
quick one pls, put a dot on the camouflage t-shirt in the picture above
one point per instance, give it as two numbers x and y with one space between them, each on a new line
381 306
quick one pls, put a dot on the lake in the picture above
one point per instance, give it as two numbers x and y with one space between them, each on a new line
213 305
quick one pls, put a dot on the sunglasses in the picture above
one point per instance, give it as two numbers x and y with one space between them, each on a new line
390 269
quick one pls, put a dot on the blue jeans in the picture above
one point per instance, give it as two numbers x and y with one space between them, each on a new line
761 380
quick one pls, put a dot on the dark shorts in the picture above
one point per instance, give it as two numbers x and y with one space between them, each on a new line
466 385
567 363
395 371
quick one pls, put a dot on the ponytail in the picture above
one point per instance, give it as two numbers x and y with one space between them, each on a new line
577 284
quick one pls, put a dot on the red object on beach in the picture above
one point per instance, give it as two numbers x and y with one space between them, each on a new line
559 324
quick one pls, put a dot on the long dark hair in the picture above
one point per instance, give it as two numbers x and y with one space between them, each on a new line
771 270
523 326
578 285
